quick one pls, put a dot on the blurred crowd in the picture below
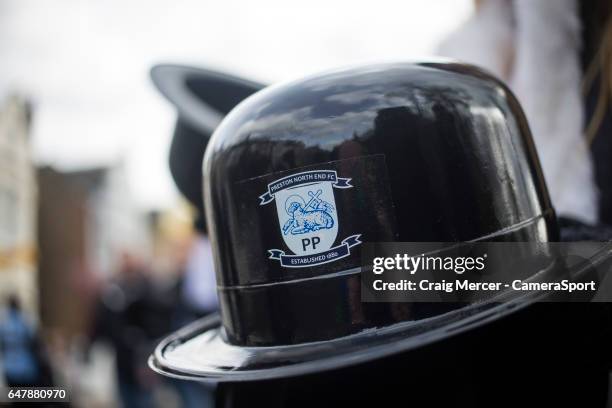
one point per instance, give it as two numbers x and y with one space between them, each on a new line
131 312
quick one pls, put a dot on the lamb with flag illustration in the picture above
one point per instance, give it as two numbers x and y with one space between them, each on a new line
308 219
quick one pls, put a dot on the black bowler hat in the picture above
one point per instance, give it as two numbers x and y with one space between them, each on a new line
300 175
202 98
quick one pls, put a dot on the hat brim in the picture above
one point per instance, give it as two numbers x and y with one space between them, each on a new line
201 96
198 351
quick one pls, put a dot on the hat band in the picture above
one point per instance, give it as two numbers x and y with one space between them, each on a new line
330 306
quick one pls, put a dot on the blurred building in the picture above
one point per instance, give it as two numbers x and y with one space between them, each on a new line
86 219
17 205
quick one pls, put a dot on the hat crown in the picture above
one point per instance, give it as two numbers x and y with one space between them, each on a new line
301 174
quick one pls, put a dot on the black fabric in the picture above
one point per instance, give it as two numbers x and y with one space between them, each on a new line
601 149
594 15
573 231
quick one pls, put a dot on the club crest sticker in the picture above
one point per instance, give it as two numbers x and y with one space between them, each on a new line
308 219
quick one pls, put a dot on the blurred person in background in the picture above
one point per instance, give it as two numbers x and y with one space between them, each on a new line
194 276
195 291
557 57
131 318
24 360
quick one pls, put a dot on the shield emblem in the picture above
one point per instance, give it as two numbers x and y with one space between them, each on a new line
307 217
